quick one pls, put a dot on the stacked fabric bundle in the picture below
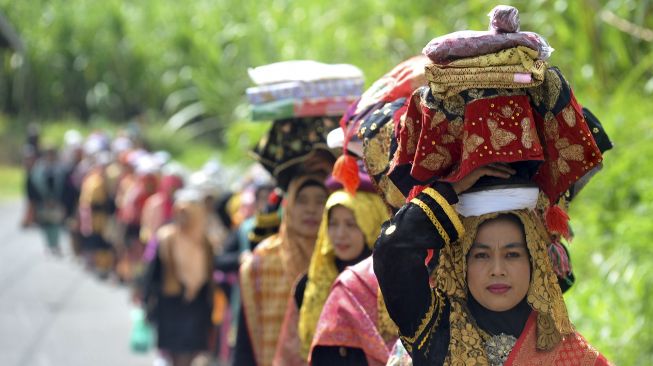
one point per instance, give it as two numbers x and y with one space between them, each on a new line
368 130
294 89
495 102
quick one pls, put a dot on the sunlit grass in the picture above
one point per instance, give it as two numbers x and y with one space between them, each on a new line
12 178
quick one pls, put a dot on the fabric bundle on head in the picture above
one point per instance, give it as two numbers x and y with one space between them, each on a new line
296 89
189 194
304 99
370 212
503 199
478 110
372 121
503 33
290 142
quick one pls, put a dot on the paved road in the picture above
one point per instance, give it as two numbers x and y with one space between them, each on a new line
53 312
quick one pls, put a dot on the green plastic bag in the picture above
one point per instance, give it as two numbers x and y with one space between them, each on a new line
142 335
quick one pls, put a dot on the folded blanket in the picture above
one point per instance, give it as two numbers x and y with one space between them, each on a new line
305 90
516 67
288 108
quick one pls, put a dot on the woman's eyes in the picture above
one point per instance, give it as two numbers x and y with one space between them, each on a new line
485 255
349 225
513 255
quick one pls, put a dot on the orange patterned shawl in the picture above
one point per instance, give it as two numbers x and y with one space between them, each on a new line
266 280
572 350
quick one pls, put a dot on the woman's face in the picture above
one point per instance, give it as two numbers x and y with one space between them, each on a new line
498 266
189 214
346 237
306 214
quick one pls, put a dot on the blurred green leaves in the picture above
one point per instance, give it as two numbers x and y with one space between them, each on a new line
119 59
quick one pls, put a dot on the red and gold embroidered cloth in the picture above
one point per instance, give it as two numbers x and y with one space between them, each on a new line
446 139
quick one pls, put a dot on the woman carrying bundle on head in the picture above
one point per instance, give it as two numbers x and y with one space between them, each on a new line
495 131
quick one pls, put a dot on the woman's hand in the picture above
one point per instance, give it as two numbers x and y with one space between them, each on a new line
499 170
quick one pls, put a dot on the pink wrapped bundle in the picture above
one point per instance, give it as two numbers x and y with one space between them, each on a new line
504 33
457 45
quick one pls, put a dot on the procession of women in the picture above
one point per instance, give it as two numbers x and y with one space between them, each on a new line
423 220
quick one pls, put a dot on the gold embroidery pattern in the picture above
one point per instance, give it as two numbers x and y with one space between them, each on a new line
566 151
455 105
391 193
548 337
508 111
453 216
490 71
434 220
438 117
569 151
553 87
435 161
471 143
450 285
440 304
466 346
411 144
498 136
377 150
527 133
551 126
569 115
425 321
454 129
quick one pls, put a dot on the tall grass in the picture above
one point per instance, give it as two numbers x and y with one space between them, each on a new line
123 58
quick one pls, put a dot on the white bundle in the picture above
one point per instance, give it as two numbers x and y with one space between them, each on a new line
336 139
497 200
302 70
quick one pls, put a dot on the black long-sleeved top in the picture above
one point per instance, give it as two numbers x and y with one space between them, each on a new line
427 222
420 312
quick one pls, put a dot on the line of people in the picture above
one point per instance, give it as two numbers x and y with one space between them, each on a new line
426 228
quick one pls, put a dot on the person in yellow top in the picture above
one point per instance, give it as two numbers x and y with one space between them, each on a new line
349 228
95 206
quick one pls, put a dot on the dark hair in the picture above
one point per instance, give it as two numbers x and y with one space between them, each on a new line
311 183
221 209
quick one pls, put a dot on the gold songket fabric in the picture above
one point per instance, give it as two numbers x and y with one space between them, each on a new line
511 68
544 294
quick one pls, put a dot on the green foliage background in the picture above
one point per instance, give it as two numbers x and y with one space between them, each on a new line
129 60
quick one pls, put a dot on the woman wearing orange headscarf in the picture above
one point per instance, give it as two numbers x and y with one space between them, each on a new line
268 275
